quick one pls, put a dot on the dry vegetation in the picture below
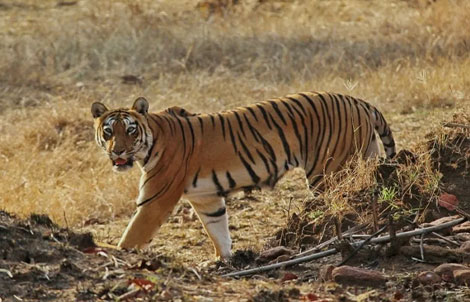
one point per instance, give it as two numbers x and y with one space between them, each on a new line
409 58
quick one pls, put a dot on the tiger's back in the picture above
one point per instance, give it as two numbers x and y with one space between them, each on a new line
256 145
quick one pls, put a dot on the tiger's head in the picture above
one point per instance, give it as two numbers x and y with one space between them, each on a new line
124 134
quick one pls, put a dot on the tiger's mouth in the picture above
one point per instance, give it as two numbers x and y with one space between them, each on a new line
121 164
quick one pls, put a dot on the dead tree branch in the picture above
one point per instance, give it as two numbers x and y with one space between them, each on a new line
326 253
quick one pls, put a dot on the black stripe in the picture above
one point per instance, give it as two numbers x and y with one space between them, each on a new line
163 190
195 177
222 123
265 161
254 177
212 120
296 130
299 104
338 136
389 145
279 113
172 129
201 124
330 121
252 129
252 113
231 181
232 137
385 134
184 136
156 172
282 136
288 107
245 148
320 135
358 113
302 119
220 189
192 134
265 116
218 213
240 124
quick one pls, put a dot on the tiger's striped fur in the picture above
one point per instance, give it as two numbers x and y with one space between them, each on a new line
203 157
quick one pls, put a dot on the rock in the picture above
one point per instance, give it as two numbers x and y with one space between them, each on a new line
462 276
274 253
435 254
428 278
465 247
446 270
462 236
462 228
441 220
281 258
289 276
325 273
349 275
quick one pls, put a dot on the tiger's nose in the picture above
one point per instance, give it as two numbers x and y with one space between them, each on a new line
117 153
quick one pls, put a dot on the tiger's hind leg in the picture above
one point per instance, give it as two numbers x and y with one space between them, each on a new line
213 215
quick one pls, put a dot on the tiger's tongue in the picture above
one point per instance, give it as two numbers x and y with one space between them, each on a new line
120 161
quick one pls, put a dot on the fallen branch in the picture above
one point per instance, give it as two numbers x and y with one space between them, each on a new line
322 245
326 253
455 125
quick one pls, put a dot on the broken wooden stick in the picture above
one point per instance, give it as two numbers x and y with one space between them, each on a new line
456 125
326 253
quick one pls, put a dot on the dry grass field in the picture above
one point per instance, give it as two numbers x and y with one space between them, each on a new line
409 58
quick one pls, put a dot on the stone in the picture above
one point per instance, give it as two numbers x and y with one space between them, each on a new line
446 270
462 237
462 276
274 253
465 247
428 278
349 275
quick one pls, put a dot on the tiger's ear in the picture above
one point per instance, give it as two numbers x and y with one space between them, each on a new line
141 105
97 109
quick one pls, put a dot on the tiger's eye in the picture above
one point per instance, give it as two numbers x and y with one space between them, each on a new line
131 130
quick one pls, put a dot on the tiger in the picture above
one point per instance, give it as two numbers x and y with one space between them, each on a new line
205 157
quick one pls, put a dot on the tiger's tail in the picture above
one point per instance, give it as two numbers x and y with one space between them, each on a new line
385 134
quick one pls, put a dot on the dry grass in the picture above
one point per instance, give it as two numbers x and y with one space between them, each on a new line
408 58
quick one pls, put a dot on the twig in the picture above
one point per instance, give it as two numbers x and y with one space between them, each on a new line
330 241
382 239
445 239
2 270
374 213
129 294
455 125
421 247
462 212
353 253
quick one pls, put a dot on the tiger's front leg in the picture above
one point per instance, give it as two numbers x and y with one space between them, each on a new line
146 221
213 215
